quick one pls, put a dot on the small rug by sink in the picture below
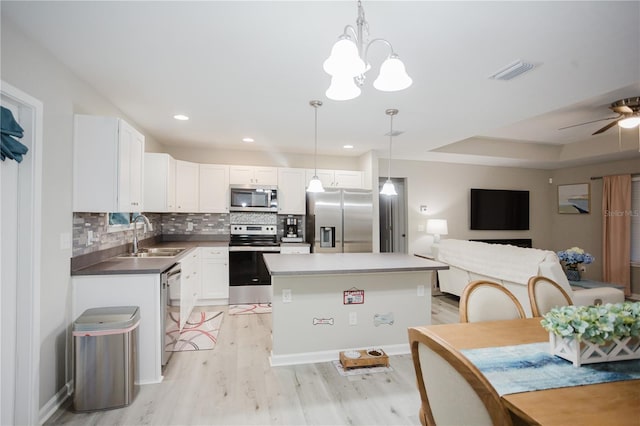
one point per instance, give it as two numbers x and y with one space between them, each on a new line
200 333
255 308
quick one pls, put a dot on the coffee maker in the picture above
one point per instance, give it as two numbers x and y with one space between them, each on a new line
291 230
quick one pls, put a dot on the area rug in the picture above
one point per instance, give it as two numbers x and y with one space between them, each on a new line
200 333
256 308
359 371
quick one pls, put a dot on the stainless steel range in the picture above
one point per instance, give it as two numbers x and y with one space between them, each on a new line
249 279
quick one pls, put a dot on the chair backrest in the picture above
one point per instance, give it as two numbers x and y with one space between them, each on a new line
545 294
488 301
452 390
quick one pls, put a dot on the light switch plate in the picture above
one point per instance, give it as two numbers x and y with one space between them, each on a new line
421 290
286 295
65 240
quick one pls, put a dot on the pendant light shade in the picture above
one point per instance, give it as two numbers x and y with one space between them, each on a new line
315 185
343 89
388 188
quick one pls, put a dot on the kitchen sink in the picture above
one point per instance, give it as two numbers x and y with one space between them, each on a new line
156 252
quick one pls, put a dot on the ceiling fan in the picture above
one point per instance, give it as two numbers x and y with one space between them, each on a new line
628 117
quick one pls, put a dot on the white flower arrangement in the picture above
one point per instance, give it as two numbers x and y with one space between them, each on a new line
596 324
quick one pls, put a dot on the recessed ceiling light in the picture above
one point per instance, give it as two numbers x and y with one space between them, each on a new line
181 117
348 146
248 140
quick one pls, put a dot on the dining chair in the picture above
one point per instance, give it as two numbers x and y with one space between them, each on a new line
452 390
545 294
488 301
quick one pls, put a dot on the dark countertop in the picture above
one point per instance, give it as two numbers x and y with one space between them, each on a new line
146 265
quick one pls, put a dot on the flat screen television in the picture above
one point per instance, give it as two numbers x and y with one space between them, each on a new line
499 209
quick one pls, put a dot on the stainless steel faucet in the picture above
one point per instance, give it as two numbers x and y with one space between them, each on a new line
135 230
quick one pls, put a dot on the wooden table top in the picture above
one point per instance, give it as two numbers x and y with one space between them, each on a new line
613 403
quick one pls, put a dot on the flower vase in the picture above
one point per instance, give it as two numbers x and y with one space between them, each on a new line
573 274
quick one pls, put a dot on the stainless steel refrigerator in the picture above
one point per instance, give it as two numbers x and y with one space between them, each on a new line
340 220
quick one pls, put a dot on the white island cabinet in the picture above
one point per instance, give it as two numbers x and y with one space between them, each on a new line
142 290
108 165
329 302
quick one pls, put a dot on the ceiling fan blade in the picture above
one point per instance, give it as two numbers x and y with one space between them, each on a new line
605 128
622 109
589 122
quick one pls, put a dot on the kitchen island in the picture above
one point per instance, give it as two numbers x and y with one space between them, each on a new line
327 303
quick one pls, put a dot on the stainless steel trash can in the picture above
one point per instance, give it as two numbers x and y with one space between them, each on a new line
105 347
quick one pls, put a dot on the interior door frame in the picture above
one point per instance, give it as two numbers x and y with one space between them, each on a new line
29 245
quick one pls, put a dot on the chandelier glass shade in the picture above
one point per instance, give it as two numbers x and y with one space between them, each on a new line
315 184
348 64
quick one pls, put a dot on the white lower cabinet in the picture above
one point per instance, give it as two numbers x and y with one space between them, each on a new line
215 275
189 284
142 290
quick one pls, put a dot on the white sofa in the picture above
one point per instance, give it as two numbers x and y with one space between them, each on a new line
511 267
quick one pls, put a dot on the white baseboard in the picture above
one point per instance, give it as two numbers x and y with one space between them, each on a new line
326 356
55 402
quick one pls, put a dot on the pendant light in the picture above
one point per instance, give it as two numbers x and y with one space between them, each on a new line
388 188
315 185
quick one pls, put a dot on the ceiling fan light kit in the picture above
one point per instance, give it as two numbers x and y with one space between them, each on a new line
348 64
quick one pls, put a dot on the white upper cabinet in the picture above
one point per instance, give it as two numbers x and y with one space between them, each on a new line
108 165
214 188
337 178
159 183
291 191
187 188
249 175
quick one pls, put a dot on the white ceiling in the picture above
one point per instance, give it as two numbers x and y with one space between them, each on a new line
243 69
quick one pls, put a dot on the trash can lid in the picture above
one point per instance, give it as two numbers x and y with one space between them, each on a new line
107 318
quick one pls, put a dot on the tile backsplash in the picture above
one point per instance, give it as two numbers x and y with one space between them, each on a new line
165 224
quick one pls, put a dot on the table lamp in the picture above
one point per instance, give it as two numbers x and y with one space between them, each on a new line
437 227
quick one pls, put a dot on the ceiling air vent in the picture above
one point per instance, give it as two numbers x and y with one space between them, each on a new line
512 70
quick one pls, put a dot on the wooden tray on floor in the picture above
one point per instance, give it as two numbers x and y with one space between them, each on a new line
368 358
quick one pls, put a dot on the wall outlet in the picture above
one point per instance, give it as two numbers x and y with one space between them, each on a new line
89 238
286 295
189 226
421 290
353 318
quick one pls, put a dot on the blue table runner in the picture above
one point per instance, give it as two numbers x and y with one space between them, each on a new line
530 367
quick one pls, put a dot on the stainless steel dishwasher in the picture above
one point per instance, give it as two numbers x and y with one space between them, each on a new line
169 278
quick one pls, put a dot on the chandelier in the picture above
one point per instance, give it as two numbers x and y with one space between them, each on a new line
348 64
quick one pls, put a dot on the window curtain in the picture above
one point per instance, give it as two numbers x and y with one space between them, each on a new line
616 230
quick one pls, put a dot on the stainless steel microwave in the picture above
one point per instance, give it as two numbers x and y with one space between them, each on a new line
252 198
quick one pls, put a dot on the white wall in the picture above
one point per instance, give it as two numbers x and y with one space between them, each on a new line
444 189
585 230
33 70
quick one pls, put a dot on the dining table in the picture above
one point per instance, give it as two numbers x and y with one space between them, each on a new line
610 403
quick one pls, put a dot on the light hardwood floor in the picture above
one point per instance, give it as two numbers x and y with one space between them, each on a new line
233 384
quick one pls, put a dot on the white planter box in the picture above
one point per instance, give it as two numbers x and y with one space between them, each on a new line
588 353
